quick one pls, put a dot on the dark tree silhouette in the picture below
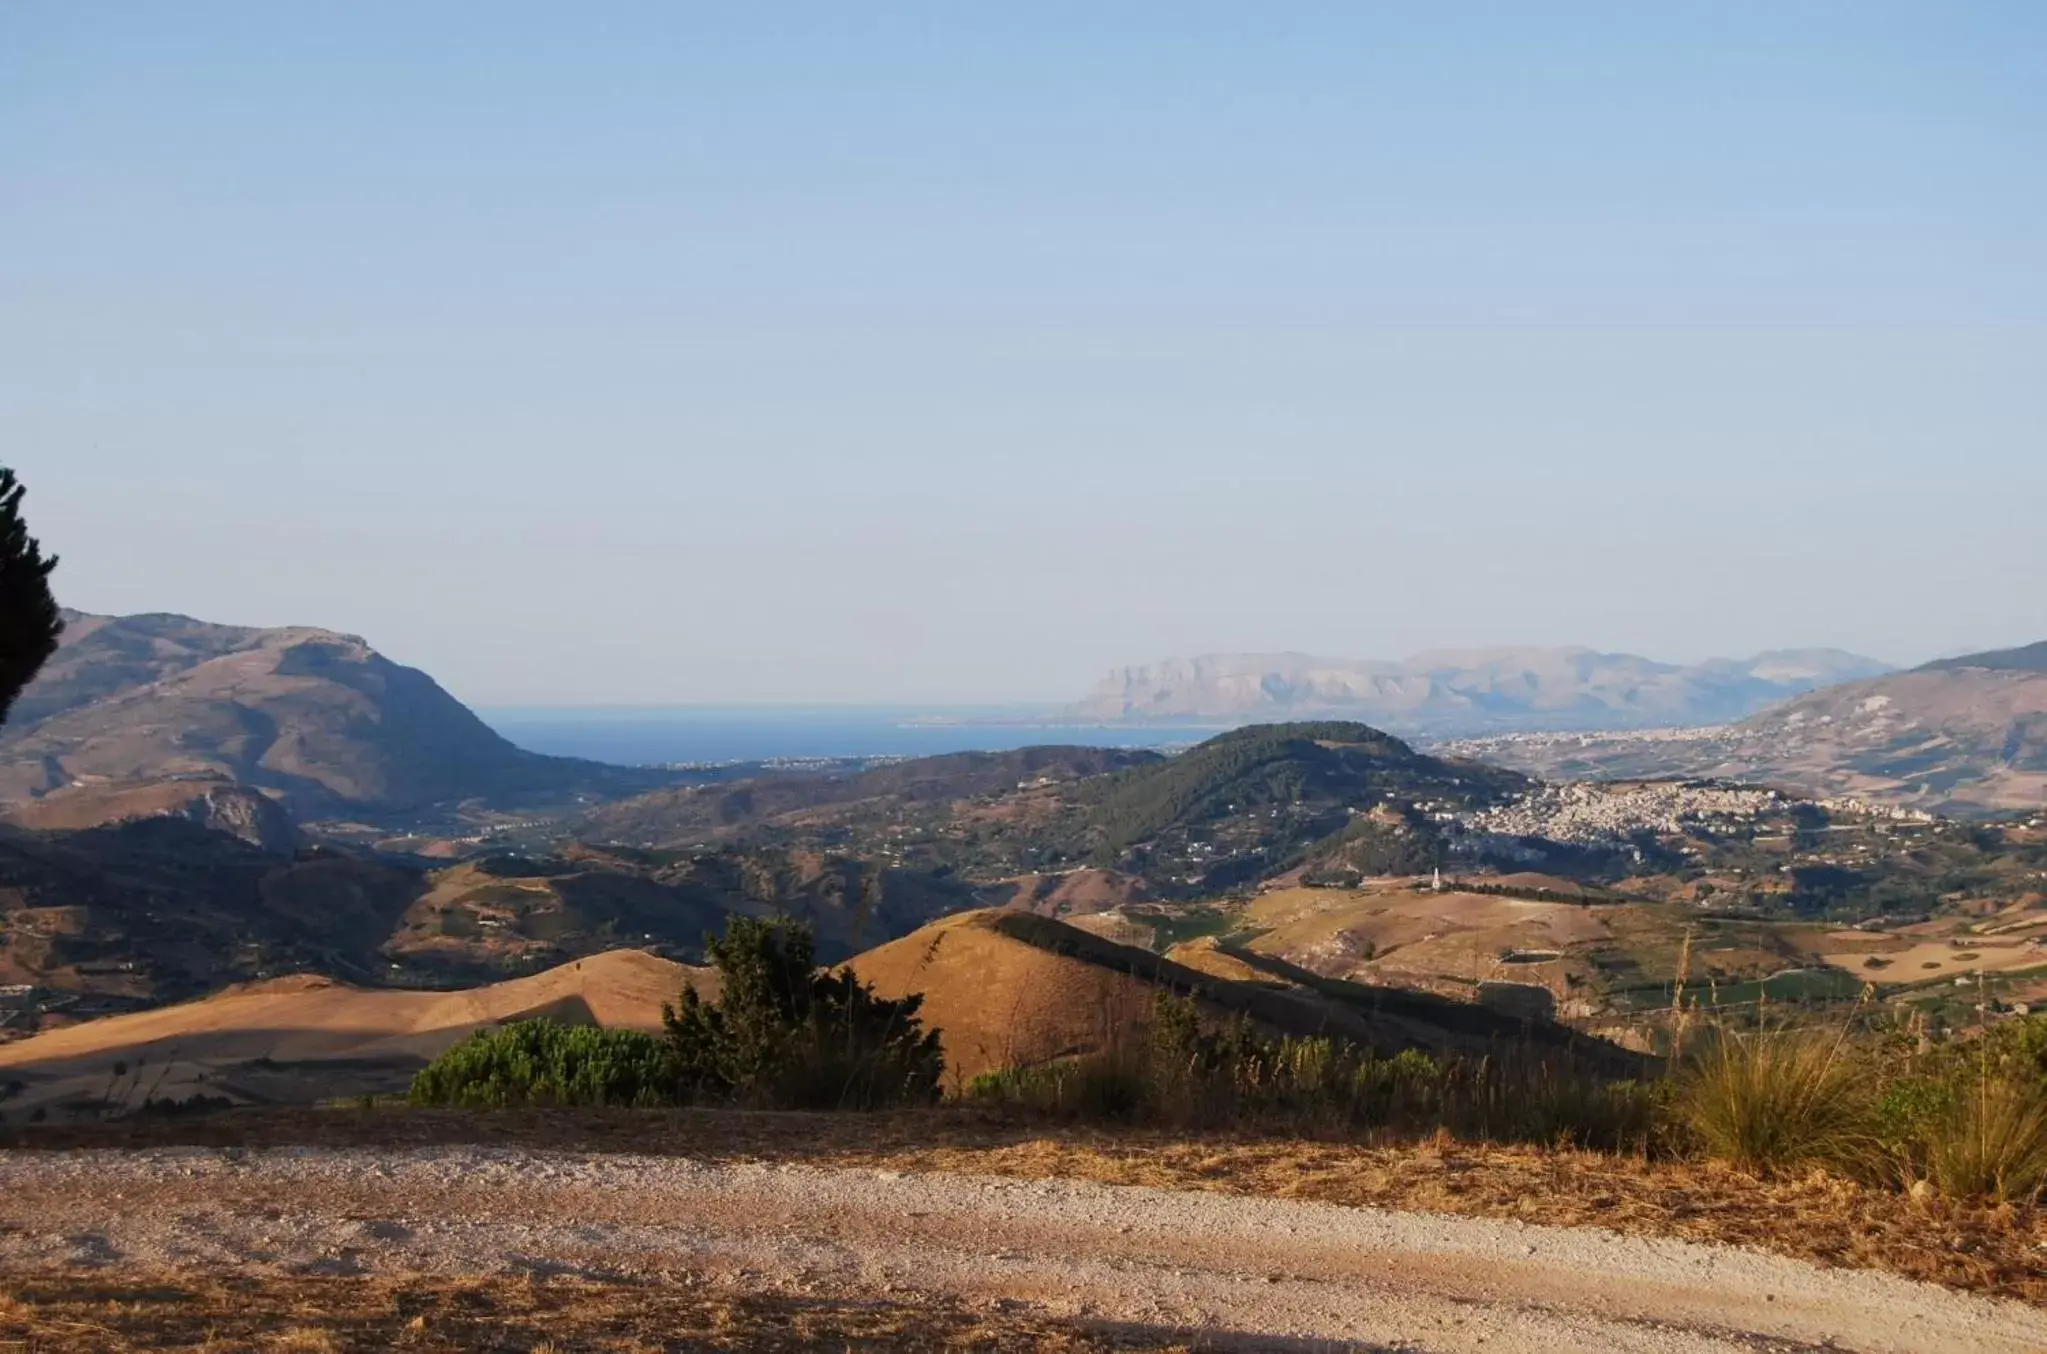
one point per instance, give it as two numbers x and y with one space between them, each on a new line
29 623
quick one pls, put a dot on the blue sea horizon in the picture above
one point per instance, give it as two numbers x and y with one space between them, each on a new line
669 735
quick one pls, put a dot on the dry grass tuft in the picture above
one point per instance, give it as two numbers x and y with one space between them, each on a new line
1773 1100
1992 1142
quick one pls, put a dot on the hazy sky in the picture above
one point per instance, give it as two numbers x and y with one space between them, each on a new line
667 353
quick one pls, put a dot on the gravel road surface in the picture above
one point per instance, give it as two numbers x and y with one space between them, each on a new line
1245 1273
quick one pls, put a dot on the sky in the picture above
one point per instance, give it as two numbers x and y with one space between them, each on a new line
680 353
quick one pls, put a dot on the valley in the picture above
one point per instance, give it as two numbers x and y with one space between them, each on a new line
1315 857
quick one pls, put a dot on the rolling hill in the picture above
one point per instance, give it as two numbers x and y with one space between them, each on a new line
318 719
307 1038
163 908
693 815
1467 691
1228 811
1011 988
1002 987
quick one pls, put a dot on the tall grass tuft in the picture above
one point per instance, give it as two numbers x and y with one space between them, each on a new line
1990 1140
1769 1100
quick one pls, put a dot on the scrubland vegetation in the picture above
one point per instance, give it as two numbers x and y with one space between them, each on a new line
782 1035
1882 1104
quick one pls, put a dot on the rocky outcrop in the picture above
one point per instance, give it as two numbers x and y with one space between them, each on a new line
218 804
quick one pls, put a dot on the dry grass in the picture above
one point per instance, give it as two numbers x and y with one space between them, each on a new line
1813 1216
1992 1142
1776 1099
75 1313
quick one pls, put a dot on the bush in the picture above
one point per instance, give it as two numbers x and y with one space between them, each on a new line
1991 1140
540 1062
1774 1099
1972 1117
784 1036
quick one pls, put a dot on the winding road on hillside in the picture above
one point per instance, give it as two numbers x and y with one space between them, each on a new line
1245 1273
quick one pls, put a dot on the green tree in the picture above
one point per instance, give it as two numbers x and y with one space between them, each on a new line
29 623
784 1036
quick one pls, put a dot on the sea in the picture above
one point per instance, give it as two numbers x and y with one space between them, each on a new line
721 734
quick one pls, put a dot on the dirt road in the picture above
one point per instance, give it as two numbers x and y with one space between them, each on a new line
1246 1273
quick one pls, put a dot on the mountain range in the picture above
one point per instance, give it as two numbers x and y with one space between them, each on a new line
316 719
1447 692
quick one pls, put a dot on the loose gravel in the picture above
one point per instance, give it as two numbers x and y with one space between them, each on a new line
1249 1273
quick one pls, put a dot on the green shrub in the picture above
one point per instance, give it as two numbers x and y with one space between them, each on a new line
1770 1100
784 1036
540 1062
1971 1117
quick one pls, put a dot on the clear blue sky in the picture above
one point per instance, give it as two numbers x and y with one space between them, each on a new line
666 352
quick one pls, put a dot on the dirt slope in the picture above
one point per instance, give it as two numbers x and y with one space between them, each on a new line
1008 987
1231 1273
303 1038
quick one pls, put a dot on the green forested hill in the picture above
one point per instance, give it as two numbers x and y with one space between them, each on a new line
1259 794
1268 765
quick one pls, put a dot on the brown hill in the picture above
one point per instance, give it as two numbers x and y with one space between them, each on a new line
1002 987
1968 738
318 718
1071 893
1007 987
1961 739
214 803
307 1038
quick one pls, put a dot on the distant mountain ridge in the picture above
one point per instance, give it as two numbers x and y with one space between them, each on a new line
318 719
2026 658
1477 690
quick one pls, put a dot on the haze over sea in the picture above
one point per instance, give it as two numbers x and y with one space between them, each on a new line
664 735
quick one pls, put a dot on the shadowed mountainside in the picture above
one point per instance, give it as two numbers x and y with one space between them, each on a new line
210 801
688 815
